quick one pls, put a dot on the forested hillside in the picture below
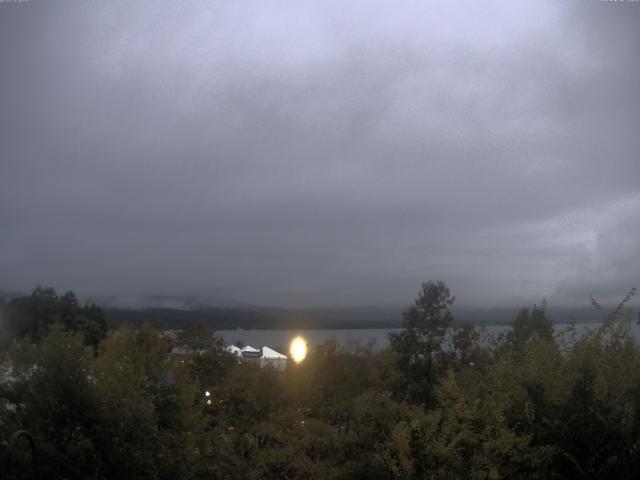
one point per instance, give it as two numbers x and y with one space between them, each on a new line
533 403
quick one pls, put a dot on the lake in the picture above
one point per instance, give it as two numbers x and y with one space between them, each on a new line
279 339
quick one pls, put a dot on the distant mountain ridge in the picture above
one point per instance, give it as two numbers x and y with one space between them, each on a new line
8 295
325 318
175 302
172 311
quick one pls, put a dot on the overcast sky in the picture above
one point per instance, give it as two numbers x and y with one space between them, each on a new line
321 153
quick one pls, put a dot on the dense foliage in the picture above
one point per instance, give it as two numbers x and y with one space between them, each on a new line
438 403
32 317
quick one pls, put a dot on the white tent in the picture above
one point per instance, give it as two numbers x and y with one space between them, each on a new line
235 351
250 352
273 358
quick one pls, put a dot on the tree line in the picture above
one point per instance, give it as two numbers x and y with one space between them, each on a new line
438 403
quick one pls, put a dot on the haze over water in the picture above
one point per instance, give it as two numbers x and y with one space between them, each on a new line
350 338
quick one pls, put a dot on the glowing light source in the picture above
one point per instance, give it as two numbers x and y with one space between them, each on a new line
298 349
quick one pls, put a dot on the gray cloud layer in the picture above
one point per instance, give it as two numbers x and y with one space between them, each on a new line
321 153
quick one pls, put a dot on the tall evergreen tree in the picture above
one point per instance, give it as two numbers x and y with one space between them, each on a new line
419 345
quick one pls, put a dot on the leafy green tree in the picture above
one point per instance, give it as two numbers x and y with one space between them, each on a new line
291 447
152 424
337 376
197 336
467 436
419 345
32 316
91 322
600 418
529 322
55 402
467 347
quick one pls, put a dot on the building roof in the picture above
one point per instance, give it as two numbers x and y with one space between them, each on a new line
234 350
272 354
249 348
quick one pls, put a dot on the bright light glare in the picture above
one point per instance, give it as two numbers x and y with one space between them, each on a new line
206 394
298 349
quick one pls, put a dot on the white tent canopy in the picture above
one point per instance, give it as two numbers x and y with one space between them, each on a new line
232 349
264 356
270 353
273 359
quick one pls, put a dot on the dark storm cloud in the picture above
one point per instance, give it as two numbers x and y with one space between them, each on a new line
317 153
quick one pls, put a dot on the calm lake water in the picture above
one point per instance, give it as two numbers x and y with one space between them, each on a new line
279 339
